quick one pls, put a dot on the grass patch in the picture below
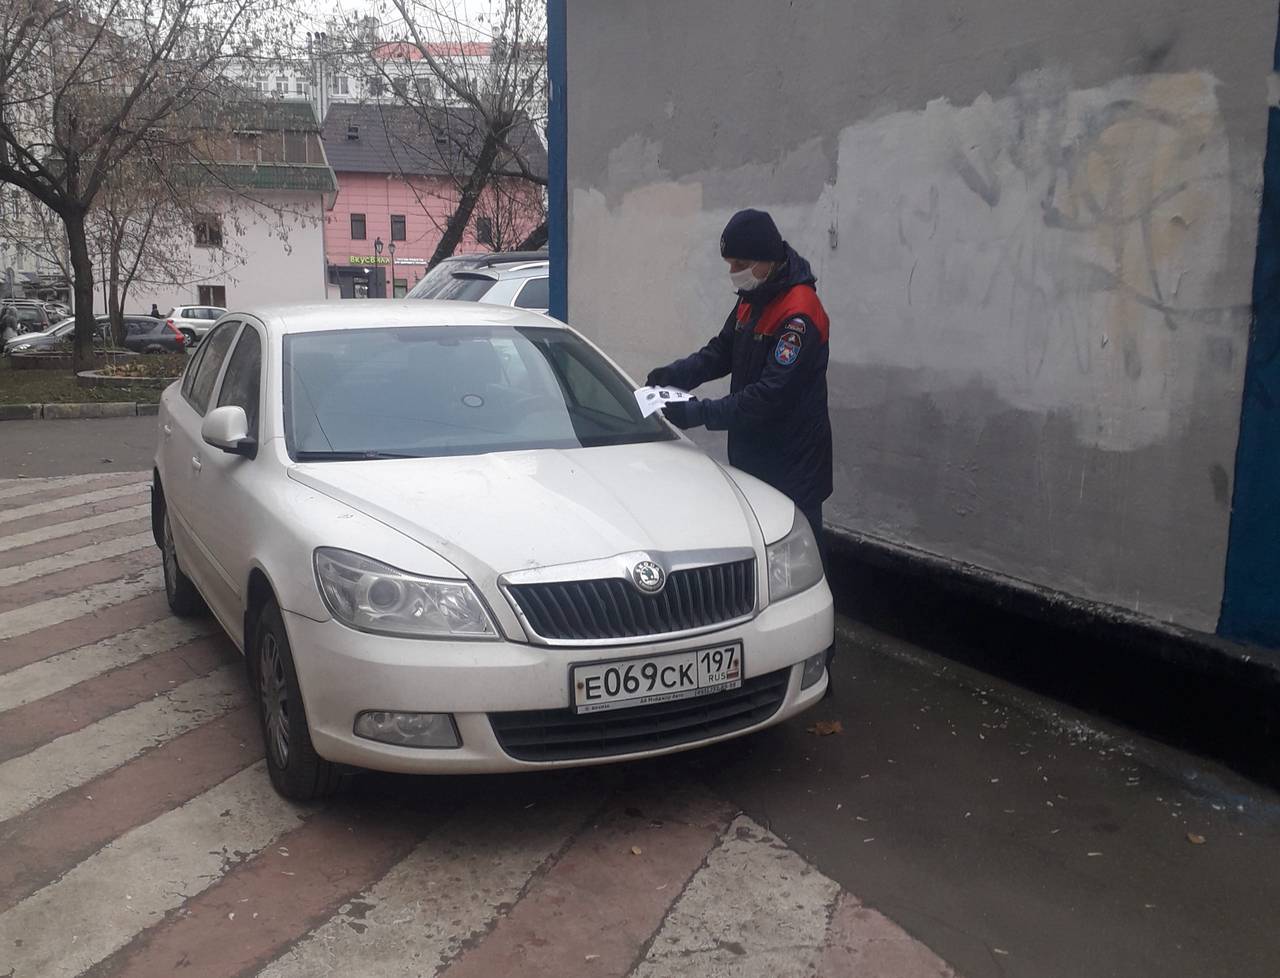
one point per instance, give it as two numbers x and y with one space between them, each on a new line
60 387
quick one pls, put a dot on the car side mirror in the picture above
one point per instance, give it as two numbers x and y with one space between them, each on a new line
228 428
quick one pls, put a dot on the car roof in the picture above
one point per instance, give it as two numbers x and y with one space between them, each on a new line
490 259
374 313
534 269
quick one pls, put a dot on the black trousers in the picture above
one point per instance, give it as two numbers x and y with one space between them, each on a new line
814 516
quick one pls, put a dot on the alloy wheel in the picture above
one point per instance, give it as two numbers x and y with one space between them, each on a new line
274 691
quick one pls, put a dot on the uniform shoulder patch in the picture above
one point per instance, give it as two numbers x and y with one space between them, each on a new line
787 351
796 325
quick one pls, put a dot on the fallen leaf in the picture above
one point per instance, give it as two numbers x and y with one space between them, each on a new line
825 728
1000 950
591 957
1095 854
1194 839
636 850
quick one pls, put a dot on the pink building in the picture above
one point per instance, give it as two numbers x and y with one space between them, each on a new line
397 182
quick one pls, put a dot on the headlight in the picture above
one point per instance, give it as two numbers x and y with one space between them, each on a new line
794 561
19 348
373 597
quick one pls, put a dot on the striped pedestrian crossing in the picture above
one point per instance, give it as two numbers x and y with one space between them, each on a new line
141 836
75 558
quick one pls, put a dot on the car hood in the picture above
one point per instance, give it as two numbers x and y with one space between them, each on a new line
492 514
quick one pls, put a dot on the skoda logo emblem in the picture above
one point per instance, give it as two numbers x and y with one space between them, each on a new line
648 576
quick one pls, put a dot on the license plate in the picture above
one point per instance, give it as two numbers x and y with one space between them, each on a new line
621 683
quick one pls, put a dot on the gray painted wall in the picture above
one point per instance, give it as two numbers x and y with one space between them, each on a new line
1033 225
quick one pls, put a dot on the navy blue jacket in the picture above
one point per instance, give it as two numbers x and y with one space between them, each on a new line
775 346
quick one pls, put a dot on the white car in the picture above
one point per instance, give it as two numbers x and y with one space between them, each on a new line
447 540
193 322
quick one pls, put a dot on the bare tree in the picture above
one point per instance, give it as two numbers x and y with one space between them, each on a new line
140 228
34 235
89 86
478 86
508 213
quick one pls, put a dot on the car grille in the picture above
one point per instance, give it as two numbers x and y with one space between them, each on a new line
611 608
562 735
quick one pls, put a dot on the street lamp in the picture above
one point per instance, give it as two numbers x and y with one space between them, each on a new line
391 250
377 250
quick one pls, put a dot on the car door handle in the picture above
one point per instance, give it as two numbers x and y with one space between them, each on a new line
195 463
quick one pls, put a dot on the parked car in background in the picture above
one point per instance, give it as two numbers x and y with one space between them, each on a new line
146 334
442 275
523 285
62 334
193 321
30 342
448 540
59 328
33 317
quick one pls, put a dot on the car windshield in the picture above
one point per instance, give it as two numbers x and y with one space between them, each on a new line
425 391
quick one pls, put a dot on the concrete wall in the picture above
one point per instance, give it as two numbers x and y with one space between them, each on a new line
1033 224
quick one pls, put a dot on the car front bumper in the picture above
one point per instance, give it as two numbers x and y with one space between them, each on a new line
344 672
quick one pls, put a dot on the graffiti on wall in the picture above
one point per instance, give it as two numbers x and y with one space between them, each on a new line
1066 246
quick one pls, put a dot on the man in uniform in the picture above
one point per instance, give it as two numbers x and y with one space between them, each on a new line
774 344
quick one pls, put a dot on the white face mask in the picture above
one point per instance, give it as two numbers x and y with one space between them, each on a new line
745 280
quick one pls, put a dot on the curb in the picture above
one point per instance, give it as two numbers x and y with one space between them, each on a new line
67 412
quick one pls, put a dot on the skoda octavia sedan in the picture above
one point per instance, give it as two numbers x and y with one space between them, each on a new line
447 540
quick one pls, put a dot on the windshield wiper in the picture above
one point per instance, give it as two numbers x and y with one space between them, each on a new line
350 456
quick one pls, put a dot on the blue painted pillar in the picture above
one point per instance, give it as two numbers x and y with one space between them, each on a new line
1251 596
557 150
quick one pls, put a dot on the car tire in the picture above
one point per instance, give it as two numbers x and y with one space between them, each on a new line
184 600
190 336
297 771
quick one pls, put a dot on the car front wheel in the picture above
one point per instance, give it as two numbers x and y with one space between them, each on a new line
297 771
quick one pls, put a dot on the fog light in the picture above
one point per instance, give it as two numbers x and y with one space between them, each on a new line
814 668
408 729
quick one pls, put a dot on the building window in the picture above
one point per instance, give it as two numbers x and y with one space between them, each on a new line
246 147
397 227
300 87
340 85
401 88
213 295
399 287
295 147
282 86
357 227
484 231
374 84
208 230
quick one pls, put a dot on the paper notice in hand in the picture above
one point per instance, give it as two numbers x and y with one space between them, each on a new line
652 399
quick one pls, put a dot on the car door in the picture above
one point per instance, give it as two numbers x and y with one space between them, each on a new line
183 452
232 485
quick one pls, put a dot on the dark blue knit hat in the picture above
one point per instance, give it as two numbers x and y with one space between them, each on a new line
751 235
